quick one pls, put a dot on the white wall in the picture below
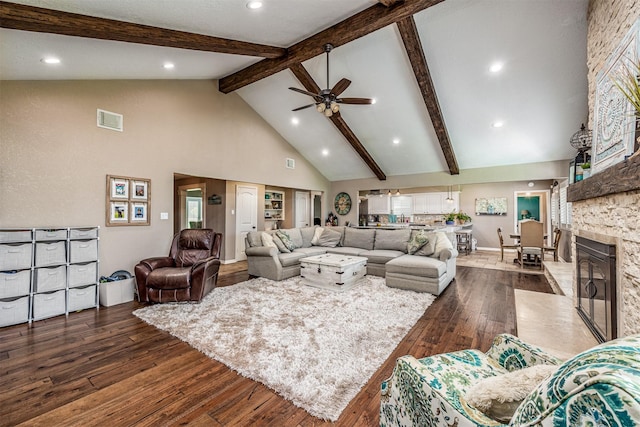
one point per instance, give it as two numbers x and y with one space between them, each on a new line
54 159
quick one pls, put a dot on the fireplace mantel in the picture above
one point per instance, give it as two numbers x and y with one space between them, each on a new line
619 178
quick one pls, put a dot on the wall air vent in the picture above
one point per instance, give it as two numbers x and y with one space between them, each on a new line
291 164
109 120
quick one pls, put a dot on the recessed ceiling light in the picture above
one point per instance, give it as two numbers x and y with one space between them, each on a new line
295 121
396 141
325 152
531 184
168 65
50 60
254 4
496 66
373 101
497 124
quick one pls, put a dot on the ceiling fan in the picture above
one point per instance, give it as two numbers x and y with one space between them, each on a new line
327 100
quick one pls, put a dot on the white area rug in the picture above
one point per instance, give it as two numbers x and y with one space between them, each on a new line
314 347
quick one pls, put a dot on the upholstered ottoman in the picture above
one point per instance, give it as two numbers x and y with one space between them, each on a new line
417 273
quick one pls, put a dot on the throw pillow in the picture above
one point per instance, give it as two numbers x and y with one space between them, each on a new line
281 247
498 397
316 236
417 241
442 243
329 238
430 247
267 240
286 240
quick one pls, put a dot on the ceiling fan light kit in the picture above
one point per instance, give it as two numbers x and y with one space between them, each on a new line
327 101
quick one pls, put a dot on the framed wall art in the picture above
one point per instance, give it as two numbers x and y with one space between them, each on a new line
128 201
491 206
614 127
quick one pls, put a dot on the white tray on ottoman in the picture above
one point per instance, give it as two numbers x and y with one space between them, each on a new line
333 271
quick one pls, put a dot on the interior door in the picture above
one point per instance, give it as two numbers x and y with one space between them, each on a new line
246 216
303 209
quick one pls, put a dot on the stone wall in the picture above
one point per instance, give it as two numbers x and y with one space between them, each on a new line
612 218
608 22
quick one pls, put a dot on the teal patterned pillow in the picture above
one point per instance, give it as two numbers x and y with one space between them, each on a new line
417 241
286 240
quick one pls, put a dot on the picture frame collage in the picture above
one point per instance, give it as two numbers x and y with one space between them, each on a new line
128 201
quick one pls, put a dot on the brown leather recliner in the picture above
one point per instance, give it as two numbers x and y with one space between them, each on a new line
189 272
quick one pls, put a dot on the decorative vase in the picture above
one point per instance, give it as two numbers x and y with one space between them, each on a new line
450 222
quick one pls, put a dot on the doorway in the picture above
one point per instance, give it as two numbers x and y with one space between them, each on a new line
246 216
192 205
317 207
533 205
303 210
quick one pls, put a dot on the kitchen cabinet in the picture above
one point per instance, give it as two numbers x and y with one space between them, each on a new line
435 203
401 205
379 205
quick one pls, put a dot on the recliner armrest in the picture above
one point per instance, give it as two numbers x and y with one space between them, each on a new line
205 261
158 262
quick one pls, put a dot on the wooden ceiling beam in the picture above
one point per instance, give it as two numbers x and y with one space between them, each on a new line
369 20
388 3
310 85
28 18
414 49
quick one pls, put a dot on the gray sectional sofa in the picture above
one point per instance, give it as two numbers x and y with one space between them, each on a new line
429 269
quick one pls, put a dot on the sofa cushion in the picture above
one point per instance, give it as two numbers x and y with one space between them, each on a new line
267 240
499 396
329 238
394 240
314 250
294 235
359 238
278 242
307 235
316 236
428 248
417 266
292 258
380 256
345 251
340 229
286 239
254 238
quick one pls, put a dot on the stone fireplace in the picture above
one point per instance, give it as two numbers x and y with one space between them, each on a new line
606 210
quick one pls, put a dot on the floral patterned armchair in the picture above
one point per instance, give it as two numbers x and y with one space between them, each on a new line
598 387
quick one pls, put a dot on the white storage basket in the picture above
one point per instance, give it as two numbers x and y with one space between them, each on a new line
14 311
51 234
9 236
50 254
81 298
15 257
15 284
51 279
83 250
82 274
49 305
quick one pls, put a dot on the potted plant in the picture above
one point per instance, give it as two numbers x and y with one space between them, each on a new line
462 217
450 218
586 170
627 82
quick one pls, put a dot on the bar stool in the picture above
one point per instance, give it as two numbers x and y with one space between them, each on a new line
463 239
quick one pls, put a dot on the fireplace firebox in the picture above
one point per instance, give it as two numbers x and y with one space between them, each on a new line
596 279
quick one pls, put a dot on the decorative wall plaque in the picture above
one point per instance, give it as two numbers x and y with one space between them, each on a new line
614 117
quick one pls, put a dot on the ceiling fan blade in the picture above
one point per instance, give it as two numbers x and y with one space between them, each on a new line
295 89
359 101
340 87
303 107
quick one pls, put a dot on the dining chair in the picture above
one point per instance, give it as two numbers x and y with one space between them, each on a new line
531 242
503 246
556 244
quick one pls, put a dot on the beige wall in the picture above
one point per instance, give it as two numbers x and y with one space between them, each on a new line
54 159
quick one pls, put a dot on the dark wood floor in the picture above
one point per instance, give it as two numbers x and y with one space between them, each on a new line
107 367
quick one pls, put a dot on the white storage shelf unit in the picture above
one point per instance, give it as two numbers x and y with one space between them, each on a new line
46 272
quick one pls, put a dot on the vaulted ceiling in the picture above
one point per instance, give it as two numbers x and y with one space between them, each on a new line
425 62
